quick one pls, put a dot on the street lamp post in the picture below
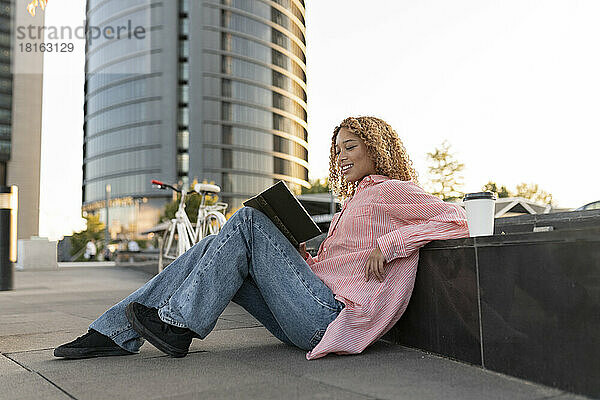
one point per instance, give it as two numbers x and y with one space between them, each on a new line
106 232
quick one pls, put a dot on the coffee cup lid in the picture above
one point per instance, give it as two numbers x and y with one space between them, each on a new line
479 196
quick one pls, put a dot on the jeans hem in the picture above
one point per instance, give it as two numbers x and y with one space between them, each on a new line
164 317
126 336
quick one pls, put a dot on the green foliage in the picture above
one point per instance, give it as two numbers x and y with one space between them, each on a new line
444 170
492 187
94 231
533 192
192 203
530 191
317 186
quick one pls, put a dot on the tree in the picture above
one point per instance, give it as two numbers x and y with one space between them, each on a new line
94 231
320 185
530 191
444 170
533 192
492 187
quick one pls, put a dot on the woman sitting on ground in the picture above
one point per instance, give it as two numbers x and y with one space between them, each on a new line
340 301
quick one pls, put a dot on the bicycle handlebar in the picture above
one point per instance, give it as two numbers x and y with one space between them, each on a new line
163 186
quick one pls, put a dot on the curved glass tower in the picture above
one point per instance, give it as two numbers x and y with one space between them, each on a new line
215 90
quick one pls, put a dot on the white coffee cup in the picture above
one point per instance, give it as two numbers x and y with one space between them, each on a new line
480 208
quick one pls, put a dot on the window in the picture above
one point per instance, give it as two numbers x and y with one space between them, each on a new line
227 158
281 166
298 14
227 134
226 114
284 3
184 6
183 163
279 59
280 80
184 71
227 182
279 18
280 145
226 41
279 38
184 116
225 18
184 94
184 27
183 49
183 140
226 87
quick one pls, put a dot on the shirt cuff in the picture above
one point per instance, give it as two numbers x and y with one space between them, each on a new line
392 245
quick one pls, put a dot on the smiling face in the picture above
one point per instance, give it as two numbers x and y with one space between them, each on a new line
352 156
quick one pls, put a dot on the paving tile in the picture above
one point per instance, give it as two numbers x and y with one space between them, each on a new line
239 359
199 375
28 323
38 341
18 383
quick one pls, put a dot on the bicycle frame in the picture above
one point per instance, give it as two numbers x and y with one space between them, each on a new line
185 230
203 228
210 220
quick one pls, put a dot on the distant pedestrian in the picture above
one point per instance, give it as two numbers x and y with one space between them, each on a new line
133 246
90 250
340 301
106 254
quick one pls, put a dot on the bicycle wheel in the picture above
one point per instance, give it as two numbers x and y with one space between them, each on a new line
168 247
214 221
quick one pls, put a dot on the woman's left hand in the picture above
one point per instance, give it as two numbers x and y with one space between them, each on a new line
302 250
375 264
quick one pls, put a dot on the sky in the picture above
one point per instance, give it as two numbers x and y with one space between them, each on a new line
512 86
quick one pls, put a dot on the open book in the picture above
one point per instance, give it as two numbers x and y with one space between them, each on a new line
286 212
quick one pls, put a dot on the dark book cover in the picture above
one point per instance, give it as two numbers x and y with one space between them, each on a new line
279 204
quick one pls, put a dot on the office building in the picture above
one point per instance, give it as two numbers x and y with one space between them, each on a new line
211 90
21 112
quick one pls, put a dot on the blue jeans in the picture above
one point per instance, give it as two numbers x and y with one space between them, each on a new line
249 262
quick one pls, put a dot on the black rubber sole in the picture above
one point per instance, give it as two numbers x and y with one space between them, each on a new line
150 336
77 353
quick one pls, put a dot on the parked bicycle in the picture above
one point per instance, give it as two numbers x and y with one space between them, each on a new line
181 234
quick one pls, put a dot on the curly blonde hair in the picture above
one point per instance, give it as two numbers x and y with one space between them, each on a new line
384 148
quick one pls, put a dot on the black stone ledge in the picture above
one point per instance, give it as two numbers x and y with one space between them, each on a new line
524 304
558 221
585 234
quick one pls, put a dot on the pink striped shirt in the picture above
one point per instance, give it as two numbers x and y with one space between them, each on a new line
400 217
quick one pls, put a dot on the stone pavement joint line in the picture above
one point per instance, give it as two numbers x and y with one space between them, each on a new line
40 375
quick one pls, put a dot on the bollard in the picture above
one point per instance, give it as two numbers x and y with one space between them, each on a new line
8 235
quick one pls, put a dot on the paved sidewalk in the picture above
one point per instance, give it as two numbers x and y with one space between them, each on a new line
239 360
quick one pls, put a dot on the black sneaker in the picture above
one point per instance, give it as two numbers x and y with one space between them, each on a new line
167 338
92 344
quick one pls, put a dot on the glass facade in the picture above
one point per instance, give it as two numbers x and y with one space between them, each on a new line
5 86
223 101
254 96
123 102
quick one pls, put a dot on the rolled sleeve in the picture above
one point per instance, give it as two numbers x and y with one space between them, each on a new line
418 217
408 239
